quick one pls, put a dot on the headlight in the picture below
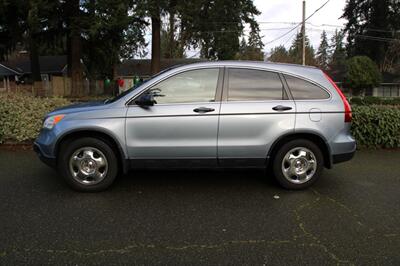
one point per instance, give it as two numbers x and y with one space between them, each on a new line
51 121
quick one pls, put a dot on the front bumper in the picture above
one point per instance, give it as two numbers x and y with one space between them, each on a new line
45 159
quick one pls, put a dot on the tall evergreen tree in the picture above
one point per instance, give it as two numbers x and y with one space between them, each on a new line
368 21
337 51
74 45
216 26
114 30
279 54
391 63
322 58
29 24
251 50
154 9
171 47
295 51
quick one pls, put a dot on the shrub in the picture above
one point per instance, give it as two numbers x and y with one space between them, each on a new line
21 115
376 126
361 73
371 100
21 119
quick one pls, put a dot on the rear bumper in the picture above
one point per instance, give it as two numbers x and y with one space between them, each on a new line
47 160
343 147
343 157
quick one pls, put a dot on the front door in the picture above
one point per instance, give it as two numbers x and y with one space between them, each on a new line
182 124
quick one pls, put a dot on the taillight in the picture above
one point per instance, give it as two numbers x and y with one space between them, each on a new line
347 107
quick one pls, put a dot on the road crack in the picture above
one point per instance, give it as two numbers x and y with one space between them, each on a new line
130 248
315 241
341 205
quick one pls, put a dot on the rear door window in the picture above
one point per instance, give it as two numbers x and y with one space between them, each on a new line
254 85
304 90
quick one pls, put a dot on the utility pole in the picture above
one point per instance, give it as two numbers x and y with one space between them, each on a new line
303 33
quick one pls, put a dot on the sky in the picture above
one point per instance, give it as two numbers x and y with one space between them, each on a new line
290 11
279 16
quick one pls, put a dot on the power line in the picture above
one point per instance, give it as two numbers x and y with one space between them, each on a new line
290 38
238 22
374 38
230 31
324 25
268 29
299 24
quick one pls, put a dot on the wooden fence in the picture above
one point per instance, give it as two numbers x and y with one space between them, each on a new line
55 86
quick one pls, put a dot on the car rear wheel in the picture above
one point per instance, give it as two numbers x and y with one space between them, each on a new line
298 164
88 164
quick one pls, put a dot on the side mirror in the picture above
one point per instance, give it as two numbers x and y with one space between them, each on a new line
145 100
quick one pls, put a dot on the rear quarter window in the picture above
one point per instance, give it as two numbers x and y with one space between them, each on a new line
305 90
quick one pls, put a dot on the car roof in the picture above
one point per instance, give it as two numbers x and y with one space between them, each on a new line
308 72
260 64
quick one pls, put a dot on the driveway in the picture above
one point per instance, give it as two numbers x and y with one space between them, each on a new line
351 216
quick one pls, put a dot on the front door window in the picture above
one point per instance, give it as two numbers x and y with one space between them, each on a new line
188 87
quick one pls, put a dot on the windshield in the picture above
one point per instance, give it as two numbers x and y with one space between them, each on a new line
124 93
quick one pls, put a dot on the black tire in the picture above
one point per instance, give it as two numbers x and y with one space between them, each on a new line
278 161
69 148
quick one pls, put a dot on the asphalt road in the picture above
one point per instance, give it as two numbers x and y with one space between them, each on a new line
351 216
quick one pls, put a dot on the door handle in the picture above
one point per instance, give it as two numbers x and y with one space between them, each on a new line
203 110
281 108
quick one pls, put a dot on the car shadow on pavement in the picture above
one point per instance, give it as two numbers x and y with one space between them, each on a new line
198 178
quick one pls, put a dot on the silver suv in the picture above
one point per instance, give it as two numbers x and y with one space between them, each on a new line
289 118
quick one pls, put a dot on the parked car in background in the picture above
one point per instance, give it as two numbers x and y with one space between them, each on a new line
231 114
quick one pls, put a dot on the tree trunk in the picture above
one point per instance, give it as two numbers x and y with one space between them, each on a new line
155 43
75 49
92 87
182 39
76 68
69 59
35 67
34 58
171 33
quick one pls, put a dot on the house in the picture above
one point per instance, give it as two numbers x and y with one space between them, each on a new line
390 86
17 74
7 74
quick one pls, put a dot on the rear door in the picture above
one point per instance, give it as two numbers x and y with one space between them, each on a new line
255 111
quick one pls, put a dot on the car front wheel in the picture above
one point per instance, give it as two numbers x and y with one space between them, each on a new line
88 164
298 164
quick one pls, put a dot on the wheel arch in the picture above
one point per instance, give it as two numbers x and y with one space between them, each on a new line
312 136
103 135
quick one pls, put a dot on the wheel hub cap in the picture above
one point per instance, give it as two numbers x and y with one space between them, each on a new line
299 165
88 165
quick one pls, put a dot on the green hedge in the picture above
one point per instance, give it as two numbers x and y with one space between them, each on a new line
376 126
21 116
371 100
21 119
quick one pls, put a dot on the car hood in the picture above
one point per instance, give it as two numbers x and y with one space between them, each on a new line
78 107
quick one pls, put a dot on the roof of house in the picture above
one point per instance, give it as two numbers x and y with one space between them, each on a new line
48 64
7 71
142 67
